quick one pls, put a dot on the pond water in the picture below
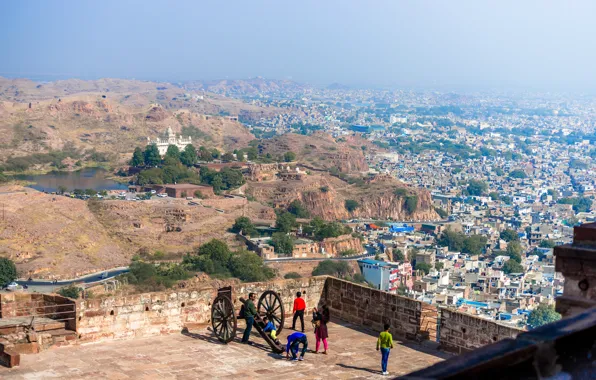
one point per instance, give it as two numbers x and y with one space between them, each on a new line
88 178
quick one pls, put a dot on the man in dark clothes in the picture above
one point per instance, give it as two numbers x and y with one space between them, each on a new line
249 316
299 307
293 345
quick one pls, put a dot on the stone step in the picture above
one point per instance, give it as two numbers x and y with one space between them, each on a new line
47 326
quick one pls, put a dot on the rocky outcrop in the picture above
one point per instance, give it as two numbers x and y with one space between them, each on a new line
325 196
334 246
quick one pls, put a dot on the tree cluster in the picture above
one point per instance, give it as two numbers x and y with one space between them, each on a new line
320 229
215 258
459 242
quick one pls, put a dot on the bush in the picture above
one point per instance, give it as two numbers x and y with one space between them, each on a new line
411 203
283 243
245 225
351 205
542 315
547 243
400 192
292 275
509 235
339 269
248 266
289 156
348 252
285 222
70 291
423 267
476 187
297 208
512 266
8 271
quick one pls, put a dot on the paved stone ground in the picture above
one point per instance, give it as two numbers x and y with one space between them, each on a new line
197 355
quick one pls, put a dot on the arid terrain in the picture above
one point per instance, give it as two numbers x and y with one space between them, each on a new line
48 234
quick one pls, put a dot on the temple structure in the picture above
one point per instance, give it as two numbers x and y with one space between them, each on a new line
171 139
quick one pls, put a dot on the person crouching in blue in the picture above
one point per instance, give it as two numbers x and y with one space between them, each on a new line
294 341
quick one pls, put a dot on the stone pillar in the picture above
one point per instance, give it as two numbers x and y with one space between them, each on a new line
577 263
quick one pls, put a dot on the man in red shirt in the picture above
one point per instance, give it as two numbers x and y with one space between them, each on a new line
299 307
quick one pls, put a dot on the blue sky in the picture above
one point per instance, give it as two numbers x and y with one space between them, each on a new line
517 44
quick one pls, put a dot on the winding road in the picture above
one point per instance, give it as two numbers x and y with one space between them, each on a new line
48 286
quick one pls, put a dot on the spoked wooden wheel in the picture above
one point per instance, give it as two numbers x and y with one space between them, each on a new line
271 306
223 319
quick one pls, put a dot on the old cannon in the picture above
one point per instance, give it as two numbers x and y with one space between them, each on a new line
225 321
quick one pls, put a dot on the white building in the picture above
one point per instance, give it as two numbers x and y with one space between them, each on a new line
171 139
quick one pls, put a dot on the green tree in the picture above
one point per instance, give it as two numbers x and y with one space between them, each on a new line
518 174
512 266
398 255
240 156
189 156
217 183
215 153
339 269
453 240
137 157
70 291
292 275
411 203
212 257
252 153
553 193
547 243
351 205
514 250
285 222
509 235
173 152
423 267
8 271
494 195
151 155
289 156
475 244
297 208
62 189
476 187
542 315
227 157
248 266
282 243
204 154
245 225
499 172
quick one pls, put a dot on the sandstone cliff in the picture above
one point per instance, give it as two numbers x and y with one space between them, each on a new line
325 196
334 246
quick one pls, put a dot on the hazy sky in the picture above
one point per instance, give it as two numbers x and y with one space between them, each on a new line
521 43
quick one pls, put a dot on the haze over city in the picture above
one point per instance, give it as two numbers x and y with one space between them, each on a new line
306 189
454 44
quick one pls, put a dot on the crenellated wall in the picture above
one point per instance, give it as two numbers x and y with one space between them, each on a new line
151 314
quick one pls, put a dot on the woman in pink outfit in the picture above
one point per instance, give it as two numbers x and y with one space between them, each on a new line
320 319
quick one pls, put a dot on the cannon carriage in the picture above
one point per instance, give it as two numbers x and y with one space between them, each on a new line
224 319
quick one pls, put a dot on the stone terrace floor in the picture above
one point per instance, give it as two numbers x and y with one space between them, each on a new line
197 355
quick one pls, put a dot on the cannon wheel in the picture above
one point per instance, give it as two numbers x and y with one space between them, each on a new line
223 319
271 306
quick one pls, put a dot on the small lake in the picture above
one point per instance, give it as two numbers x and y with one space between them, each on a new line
88 178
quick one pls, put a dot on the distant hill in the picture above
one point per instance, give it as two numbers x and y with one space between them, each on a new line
338 86
245 87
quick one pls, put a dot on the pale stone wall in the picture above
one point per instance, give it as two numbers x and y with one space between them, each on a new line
460 332
151 314
411 319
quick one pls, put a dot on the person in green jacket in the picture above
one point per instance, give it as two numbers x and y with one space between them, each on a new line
385 343
249 316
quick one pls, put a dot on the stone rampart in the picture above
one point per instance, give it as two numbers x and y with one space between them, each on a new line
411 319
460 332
372 308
151 314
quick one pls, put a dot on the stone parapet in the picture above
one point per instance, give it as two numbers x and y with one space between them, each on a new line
577 263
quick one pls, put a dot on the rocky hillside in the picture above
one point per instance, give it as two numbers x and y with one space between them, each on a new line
325 196
318 150
107 125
